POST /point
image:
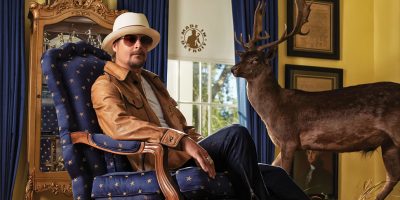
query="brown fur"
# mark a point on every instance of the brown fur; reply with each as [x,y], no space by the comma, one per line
[357,118]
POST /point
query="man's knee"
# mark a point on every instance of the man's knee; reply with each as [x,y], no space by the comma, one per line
[238,129]
[239,132]
[279,171]
[269,171]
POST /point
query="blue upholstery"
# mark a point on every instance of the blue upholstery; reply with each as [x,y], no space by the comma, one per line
[45,154]
[123,184]
[49,128]
[194,183]
[70,71]
[107,142]
[49,120]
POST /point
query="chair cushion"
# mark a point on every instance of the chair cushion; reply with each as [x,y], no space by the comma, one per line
[194,183]
[138,197]
[127,185]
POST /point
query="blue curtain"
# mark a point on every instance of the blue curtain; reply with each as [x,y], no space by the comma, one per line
[243,14]
[157,15]
[12,84]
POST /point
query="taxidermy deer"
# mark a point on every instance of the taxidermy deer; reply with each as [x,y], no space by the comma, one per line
[357,118]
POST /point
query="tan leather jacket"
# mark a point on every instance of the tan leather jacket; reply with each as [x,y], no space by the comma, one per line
[124,113]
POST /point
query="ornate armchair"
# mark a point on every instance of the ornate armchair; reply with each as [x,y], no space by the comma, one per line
[97,164]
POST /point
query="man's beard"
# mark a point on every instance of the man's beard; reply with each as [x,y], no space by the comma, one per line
[136,65]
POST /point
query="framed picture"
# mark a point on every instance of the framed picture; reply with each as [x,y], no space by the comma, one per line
[313,79]
[316,172]
[322,41]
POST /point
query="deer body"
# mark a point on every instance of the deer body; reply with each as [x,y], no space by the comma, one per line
[356,118]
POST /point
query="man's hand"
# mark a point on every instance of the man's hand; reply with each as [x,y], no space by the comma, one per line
[200,155]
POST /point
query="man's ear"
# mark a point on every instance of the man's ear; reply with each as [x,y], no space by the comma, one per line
[114,46]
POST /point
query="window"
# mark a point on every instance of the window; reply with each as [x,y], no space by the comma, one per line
[205,92]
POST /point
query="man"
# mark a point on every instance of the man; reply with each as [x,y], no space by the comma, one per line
[317,180]
[133,104]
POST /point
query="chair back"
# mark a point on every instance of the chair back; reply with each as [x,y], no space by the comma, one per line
[70,72]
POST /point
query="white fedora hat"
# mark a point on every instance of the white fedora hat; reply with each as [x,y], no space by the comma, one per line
[130,23]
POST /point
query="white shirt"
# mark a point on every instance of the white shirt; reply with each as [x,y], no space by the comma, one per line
[153,101]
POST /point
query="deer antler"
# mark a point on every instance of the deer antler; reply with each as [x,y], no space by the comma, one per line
[303,12]
[257,28]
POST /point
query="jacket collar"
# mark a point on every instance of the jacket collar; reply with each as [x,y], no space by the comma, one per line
[121,73]
[115,70]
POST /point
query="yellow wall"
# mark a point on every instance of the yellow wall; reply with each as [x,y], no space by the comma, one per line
[387,40]
[370,49]
[386,56]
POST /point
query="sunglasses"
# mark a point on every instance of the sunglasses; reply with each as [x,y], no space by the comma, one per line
[130,40]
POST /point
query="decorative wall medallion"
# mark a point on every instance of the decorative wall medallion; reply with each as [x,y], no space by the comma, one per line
[193,38]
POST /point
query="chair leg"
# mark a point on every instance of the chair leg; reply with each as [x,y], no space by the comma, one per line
[167,185]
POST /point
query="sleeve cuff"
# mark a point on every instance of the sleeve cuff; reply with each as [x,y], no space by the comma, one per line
[192,133]
[171,138]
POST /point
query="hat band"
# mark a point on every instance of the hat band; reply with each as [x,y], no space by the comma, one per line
[130,26]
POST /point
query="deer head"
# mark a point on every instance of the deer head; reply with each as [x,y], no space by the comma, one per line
[254,59]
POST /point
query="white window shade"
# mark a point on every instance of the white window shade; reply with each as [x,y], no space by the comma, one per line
[214,17]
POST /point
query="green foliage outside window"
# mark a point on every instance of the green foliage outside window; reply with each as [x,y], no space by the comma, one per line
[214,100]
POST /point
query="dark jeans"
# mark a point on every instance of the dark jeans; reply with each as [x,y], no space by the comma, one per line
[233,150]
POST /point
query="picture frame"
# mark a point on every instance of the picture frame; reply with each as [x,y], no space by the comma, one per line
[312,78]
[323,27]
[324,182]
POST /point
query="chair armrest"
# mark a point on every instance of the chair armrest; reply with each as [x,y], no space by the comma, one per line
[106,143]
[160,152]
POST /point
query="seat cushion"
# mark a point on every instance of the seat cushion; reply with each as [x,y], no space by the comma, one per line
[137,197]
[121,185]
[194,183]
